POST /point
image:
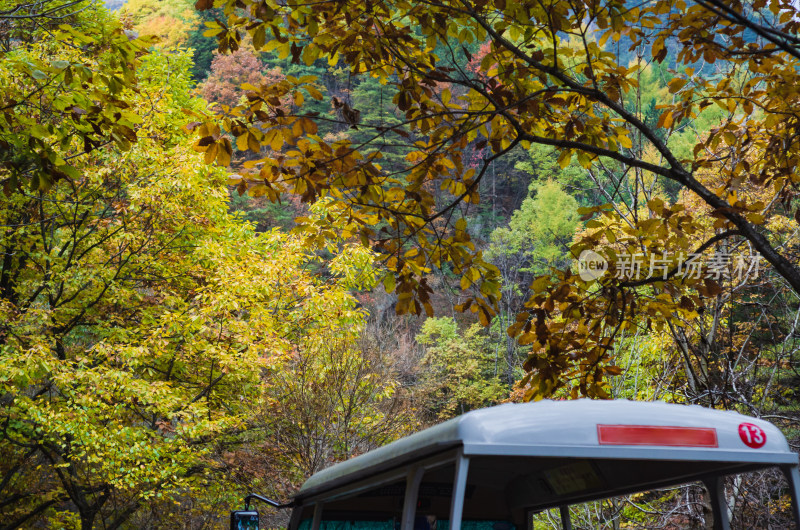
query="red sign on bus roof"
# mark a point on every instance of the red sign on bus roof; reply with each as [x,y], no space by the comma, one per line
[657,435]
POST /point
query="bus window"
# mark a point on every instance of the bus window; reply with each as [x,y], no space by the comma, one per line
[434,497]
[434,502]
[378,508]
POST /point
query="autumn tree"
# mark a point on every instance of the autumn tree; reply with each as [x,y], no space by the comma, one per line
[331,401]
[56,109]
[230,72]
[110,336]
[458,372]
[138,332]
[538,238]
[172,21]
[549,78]
[735,354]
[542,229]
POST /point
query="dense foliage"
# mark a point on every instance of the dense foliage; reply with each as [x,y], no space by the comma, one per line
[545,79]
[230,234]
[145,329]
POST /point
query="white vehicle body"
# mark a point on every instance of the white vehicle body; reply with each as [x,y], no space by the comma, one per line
[501,464]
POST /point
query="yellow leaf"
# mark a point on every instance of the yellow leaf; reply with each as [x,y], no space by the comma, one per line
[277,141]
[564,158]
[224,153]
[313,92]
[665,120]
[211,154]
[284,49]
[259,37]
[253,143]
[729,137]
[241,142]
[483,317]
[297,129]
[309,126]
[676,84]
[389,282]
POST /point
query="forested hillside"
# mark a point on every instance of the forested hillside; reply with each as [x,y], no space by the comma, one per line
[243,240]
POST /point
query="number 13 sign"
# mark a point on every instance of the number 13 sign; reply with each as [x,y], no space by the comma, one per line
[752,435]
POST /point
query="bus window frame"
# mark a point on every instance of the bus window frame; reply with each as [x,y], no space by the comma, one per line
[412,474]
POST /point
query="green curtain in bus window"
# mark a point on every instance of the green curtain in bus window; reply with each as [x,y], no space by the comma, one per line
[477,525]
[349,525]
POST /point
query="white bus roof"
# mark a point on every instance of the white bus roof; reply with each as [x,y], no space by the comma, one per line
[586,429]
